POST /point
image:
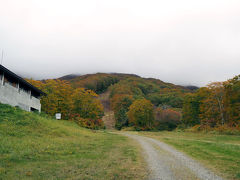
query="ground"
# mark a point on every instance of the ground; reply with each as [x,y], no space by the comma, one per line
[35,147]
[218,153]
[166,163]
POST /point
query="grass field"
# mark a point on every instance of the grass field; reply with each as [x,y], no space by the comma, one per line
[36,147]
[220,153]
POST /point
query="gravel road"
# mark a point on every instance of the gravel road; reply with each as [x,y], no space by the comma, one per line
[166,163]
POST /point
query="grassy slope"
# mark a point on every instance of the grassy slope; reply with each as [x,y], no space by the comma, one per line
[35,147]
[221,153]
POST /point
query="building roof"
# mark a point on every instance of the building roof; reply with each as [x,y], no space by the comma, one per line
[21,80]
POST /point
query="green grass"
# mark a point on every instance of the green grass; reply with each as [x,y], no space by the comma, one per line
[36,147]
[221,153]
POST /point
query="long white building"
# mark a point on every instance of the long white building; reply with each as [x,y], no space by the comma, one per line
[17,92]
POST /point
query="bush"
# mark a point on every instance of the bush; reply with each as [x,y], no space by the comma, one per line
[88,123]
[219,129]
[166,119]
[229,130]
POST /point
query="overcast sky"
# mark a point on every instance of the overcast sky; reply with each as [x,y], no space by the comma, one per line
[179,41]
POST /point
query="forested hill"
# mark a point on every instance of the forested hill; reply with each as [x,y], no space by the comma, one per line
[75,95]
[98,82]
[144,103]
[157,91]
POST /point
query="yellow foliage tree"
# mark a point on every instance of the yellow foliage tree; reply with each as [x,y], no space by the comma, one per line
[86,104]
[140,114]
[59,96]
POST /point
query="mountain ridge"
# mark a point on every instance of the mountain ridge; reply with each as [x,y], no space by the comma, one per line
[73,78]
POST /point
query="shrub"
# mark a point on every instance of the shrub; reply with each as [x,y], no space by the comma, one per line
[219,129]
[88,123]
[166,119]
[225,129]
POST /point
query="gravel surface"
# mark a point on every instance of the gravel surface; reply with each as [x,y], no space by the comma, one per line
[166,163]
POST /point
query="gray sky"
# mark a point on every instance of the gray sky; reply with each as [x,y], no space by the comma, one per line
[179,41]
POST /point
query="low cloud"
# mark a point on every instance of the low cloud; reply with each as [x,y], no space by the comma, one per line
[183,42]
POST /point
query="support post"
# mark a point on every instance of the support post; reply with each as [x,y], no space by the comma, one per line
[2,82]
[18,87]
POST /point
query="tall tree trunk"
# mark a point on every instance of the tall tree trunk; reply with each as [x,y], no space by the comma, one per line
[221,111]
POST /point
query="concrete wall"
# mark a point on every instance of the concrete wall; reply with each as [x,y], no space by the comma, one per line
[17,97]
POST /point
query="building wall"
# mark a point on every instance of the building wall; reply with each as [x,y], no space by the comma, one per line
[17,97]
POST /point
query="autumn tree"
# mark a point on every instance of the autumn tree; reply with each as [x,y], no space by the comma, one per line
[79,104]
[218,93]
[140,114]
[216,106]
[86,104]
[58,98]
[212,109]
[232,100]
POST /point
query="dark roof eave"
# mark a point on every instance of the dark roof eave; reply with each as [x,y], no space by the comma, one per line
[5,70]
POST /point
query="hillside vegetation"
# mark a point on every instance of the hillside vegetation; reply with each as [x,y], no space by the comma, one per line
[124,89]
[36,147]
[76,104]
[214,107]
[157,91]
[98,82]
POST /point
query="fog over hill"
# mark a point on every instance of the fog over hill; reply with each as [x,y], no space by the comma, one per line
[182,42]
[70,77]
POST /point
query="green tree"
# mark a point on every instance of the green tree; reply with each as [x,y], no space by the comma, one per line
[120,104]
[191,110]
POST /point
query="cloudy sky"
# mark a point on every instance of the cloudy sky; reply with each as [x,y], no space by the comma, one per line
[179,41]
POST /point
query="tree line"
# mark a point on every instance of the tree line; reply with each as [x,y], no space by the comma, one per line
[145,104]
[215,106]
[75,104]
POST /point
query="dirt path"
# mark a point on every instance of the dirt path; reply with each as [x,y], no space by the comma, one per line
[166,163]
[108,118]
